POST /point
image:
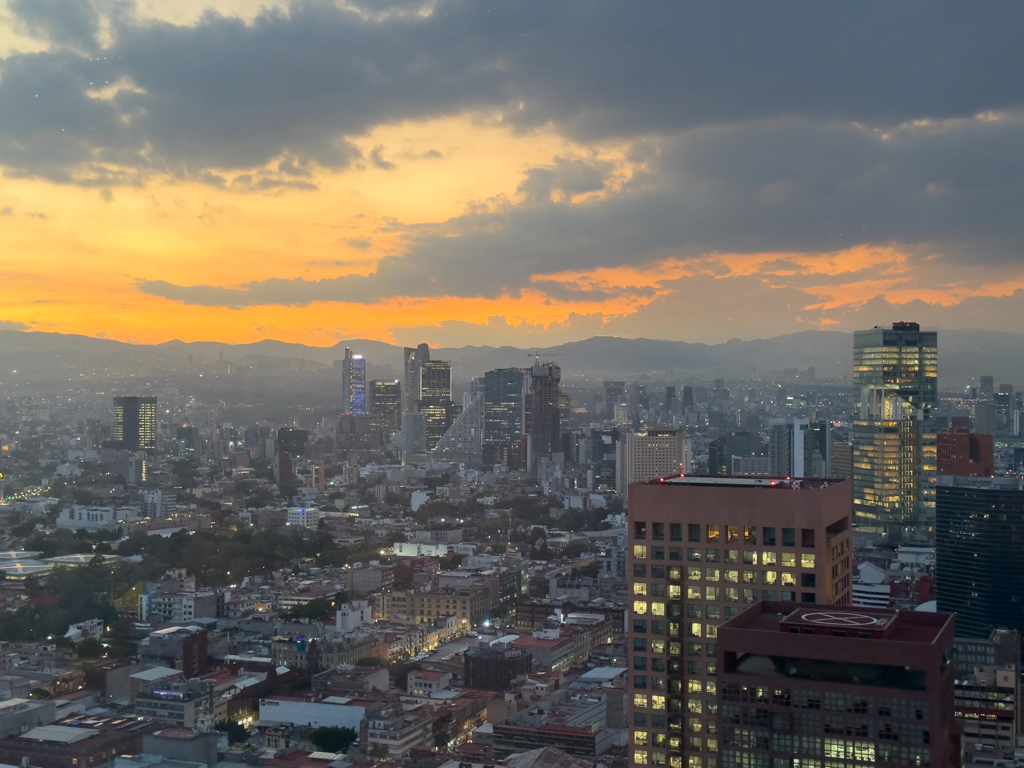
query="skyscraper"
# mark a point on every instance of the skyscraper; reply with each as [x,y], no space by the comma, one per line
[701,550]
[658,452]
[543,414]
[435,399]
[798,448]
[412,359]
[895,376]
[353,384]
[504,414]
[978,540]
[134,426]
[385,405]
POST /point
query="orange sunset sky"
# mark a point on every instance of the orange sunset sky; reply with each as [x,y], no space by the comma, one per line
[516,174]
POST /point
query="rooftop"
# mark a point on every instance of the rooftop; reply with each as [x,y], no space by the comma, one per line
[803,483]
[855,623]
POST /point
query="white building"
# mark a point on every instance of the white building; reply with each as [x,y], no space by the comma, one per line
[90,518]
[658,452]
[156,504]
[332,711]
[304,517]
[353,614]
[418,549]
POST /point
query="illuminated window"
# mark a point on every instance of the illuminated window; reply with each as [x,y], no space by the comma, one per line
[640,700]
[695,686]
[658,609]
[640,738]
[694,629]
[732,576]
[675,592]
[640,607]
[732,594]
[711,574]
[657,646]
[639,552]
[750,577]
[675,649]
[658,702]
[712,533]
[788,579]
[696,706]
[693,593]
[711,593]
[675,573]
[640,756]
[639,588]
[750,534]
[657,758]
[693,573]
[694,725]
[789,560]
[749,557]
[769,558]
[712,631]
[732,555]
[732,533]
[807,560]
[769,577]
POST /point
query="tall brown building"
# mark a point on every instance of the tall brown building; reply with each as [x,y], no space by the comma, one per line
[702,549]
[961,452]
[840,686]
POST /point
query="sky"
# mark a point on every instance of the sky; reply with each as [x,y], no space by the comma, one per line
[524,173]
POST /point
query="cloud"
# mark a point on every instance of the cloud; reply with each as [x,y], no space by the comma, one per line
[6,211]
[564,178]
[301,82]
[377,158]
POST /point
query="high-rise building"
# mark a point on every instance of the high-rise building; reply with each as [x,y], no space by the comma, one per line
[505,392]
[413,358]
[435,399]
[353,384]
[722,449]
[833,686]
[543,415]
[658,452]
[978,540]
[614,394]
[895,376]
[134,426]
[701,550]
[959,452]
[799,448]
[385,404]
[687,399]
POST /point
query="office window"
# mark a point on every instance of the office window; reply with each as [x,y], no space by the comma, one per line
[658,701]
[807,597]
[657,609]
[640,626]
[711,574]
[675,592]
[657,590]
[788,560]
[639,570]
[788,579]
[789,537]
[711,630]
[657,627]
[657,553]
[640,700]
[639,530]
[693,555]
[732,594]
[694,629]
[675,572]
[640,663]
[640,756]
[640,607]
[732,576]
[640,719]
[750,534]
[657,646]
[749,595]
[768,537]
[675,648]
[657,571]
[769,558]
[712,533]
[807,580]
[640,682]
[807,538]
[769,594]
[676,531]
[657,664]
[693,610]
[807,560]
[711,611]
[732,533]
[639,552]
[658,532]
[750,577]
[711,593]
[675,553]
[711,555]
[639,588]
[693,593]
[640,738]
[749,557]
[693,532]
[732,555]
[693,573]
[640,644]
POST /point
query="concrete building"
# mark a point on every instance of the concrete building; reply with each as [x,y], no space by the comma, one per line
[19,715]
[703,549]
[574,721]
[147,678]
[423,682]
[494,667]
[834,685]
[183,648]
[353,614]
[302,517]
[332,711]
[182,744]
[179,703]
[658,452]
[393,732]
[960,452]
[798,448]
[81,741]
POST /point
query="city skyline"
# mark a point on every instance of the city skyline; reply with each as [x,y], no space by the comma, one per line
[217,169]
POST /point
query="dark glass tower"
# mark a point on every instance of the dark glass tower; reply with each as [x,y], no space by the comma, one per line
[135,423]
[505,413]
[385,401]
[895,375]
[978,540]
[435,400]
[543,411]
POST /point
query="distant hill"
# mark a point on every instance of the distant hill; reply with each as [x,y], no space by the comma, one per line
[963,355]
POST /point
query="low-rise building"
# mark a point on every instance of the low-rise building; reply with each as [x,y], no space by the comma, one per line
[76,742]
[423,682]
[19,715]
[392,732]
[179,703]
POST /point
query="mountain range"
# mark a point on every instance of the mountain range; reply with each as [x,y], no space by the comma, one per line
[963,355]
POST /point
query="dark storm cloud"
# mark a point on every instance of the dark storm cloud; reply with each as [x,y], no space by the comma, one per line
[223,93]
[780,186]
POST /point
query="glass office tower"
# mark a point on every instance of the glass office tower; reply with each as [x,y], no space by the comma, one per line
[895,376]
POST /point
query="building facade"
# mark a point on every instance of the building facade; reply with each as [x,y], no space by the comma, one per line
[834,686]
[701,550]
[895,376]
[134,427]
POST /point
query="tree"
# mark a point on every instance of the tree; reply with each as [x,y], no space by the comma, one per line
[332,738]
